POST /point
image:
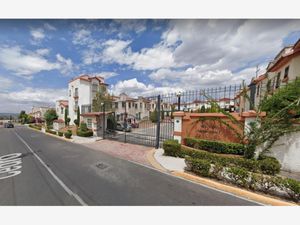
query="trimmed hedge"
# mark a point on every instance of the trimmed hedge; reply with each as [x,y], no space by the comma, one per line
[68,134]
[172,148]
[275,185]
[60,133]
[35,127]
[87,133]
[216,146]
[51,131]
[267,166]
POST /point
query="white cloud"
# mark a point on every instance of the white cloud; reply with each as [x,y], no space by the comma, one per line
[5,83]
[119,51]
[43,51]
[18,100]
[106,75]
[24,63]
[27,63]
[37,34]
[66,66]
[135,88]
[48,26]
[227,44]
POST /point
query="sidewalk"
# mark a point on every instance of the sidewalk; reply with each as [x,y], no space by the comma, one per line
[176,167]
[131,152]
[82,140]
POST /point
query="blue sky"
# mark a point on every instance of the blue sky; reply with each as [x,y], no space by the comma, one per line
[140,57]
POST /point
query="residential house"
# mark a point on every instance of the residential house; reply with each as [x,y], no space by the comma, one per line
[81,92]
[38,112]
[61,106]
[135,108]
[283,69]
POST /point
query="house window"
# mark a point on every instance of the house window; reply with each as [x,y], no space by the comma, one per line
[136,105]
[278,80]
[141,105]
[76,92]
[94,87]
[89,123]
[123,104]
[116,105]
[129,104]
[286,72]
[69,93]
[61,110]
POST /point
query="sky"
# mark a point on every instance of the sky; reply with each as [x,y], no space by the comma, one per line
[139,57]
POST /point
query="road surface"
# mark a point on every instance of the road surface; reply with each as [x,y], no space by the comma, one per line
[56,172]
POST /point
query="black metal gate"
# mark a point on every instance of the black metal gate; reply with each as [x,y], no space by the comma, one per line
[149,121]
[142,121]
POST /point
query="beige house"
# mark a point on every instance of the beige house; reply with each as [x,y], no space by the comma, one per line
[39,112]
[61,106]
[283,69]
[136,108]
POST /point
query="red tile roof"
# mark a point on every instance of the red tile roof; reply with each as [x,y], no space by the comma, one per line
[89,78]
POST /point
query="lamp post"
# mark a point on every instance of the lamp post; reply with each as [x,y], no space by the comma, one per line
[103,118]
[178,96]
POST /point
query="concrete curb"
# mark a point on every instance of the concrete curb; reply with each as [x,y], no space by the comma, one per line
[220,186]
[153,162]
[56,136]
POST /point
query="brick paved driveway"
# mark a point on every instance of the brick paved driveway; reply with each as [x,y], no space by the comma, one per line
[136,153]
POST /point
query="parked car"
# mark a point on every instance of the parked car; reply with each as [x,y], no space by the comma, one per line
[8,125]
[123,127]
[135,125]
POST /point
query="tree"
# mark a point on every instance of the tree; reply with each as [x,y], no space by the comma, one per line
[153,116]
[66,116]
[102,99]
[202,109]
[23,117]
[50,116]
[77,121]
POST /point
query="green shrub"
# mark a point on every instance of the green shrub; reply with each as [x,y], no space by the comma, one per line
[68,134]
[242,177]
[269,165]
[293,187]
[83,127]
[35,127]
[87,133]
[172,148]
[215,146]
[249,151]
[51,131]
[198,166]
[60,133]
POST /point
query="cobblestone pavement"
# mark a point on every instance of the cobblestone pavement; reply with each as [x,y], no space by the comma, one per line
[136,153]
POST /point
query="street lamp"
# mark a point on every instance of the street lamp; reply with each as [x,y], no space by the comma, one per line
[178,96]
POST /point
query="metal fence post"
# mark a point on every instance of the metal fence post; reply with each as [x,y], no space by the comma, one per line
[158,123]
[103,123]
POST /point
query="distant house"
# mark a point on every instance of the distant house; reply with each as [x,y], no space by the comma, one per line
[39,112]
[61,106]
[135,108]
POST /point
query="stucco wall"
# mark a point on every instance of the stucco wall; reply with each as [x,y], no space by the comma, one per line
[287,151]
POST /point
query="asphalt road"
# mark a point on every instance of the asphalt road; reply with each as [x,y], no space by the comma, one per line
[56,172]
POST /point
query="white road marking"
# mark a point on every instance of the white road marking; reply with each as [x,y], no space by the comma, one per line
[10,165]
[62,184]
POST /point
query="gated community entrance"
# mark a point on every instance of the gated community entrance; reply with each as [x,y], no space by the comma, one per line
[149,120]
